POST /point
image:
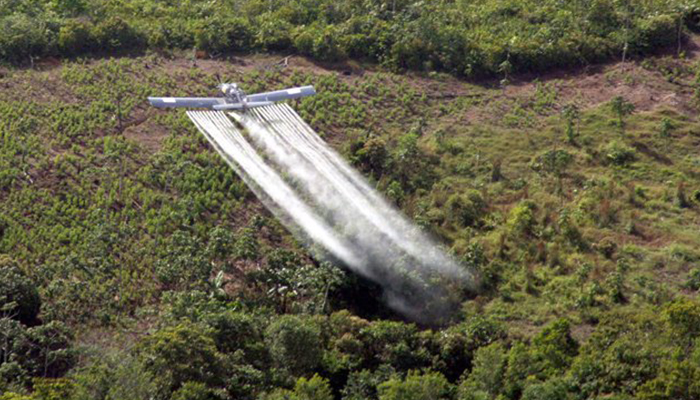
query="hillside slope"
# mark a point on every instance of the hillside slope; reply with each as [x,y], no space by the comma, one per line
[575,195]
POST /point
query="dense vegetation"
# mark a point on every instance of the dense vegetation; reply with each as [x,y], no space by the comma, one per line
[469,38]
[134,264]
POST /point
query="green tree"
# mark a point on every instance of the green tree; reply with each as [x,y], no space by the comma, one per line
[178,354]
[316,388]
[622,108]
[683,319]
[554,347]
[416,386]
[46,350]
[19,298]
[485,381]
[294,343]
[193,391]
[571,115]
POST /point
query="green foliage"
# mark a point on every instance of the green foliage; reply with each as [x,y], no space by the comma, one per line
[116,34]
[118,375]
[19,298]
[163,352]
[553,389]
[693,281]
[76,37]
[485,381]
[22,37]
[571,114]
[676,380]
[193,391]
[622,108]
[683,318]
[294,343]
[466,209]
[554,347]
[522,219]
[617,153]
[316,388]
[416,386]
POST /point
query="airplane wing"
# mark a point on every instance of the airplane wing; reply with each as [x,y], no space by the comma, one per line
[279,95]
[239,106]
[188,102]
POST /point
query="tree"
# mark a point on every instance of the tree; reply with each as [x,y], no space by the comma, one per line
[554,347]
[193,391]
[316,388]
[294,343]
[179,354]
[19,298]
[416,386]
[622,108]
[553,163]
[486,378]
[46,350]
[12,333]
[683,319]
[372,156]
[571,114]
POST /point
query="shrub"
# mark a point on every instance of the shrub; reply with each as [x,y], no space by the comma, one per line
[618,154]
[693,281]
[554,347]
[553,389]
[466,209]
[22,37]
[115,34]
[75,38]
[522,219]
[622,108]
[221,35]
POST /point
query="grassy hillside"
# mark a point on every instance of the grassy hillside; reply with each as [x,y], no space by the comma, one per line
[135,264]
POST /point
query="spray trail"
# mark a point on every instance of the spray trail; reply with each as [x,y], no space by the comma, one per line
[325,202]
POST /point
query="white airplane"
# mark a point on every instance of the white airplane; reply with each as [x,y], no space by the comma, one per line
[234,98]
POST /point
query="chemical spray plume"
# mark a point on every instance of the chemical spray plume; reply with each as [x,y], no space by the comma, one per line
[325,203]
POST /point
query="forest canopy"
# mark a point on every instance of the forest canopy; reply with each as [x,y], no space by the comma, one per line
[466,38]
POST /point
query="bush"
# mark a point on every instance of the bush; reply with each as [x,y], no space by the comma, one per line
[19,298]
[522,219]
[75,38]
[222,35]
[554,347]
[466,209]
[22,37]
[618,154]
[115,34]
[693,281]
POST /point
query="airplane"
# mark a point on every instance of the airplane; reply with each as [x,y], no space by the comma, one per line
[234,98]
